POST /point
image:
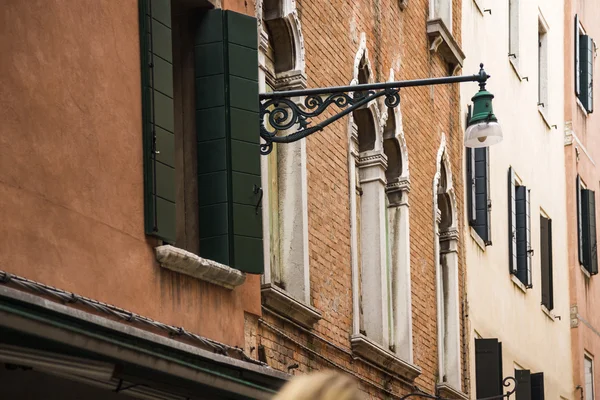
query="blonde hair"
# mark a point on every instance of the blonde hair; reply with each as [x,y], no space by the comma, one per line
[326,385]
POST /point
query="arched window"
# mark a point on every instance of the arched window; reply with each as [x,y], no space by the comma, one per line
[286,283]
[446,257]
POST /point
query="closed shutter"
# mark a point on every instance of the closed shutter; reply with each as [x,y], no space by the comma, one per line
[586,61]
[481,193]
[523,377]
[546,261]
[471,196]
[529,283]
[488,367]
[537,386]
[227,122]
[577,66]
[512,223]
[158,118]
[522,234]
[579,220]
[590,256]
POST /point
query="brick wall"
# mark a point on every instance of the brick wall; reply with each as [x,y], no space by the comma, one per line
[395,39]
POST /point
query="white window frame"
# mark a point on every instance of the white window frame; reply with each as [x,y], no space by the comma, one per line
[588,357]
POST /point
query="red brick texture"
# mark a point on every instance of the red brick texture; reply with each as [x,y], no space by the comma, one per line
[395,39]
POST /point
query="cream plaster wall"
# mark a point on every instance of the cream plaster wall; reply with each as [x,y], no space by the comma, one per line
[497,307]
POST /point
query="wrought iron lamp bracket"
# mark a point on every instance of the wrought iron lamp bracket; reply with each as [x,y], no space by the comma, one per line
[506,383]
[280,113]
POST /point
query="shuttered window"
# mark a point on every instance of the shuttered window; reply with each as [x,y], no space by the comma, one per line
[588,229]
[537,386]
[158,118]
[584,67]
[227,122]
[579,220]
[488,368]
[519,215]
[546,262]
[588,370]
[478,192]
[523,378]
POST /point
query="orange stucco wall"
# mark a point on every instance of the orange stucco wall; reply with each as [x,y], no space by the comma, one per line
[71,182]
[582,157]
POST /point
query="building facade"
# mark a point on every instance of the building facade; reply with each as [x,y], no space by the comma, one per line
[364,265]
[92,300]
[581,151]
[516,225]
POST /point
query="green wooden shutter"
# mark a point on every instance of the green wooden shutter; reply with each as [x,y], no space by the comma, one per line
[529,283]
[488,368]
[537,386]
[577,66]
[227,123]
[590,255]
[586,60]
[481,223]
[158,118]
[523,377]
[522,243]
[579,220]
[471,185]
[546,262]
[512,223]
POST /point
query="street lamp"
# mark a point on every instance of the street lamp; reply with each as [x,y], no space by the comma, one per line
[280,113]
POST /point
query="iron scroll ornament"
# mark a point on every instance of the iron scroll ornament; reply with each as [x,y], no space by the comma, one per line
[506,383]
[279,112]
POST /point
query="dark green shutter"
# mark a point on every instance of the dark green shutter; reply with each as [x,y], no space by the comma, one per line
[523,244]
[512,223]
[227,123]
[546,262]
[158,118]
[523,377]
[586,61]
[577,66]
[537,386]
[479,192]
[488,368]
[579,220]
[590,255]
[471,185]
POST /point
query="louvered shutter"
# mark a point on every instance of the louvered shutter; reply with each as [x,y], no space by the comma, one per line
[471,196]
[521,235]
[523,377]
[489,197]
[227,122]
[590,256]
[546,261]
[158,118]
[481,193]
[579,220]
[537,386]
[577,65]
[586,61]
[512,223]
[488,367]
[528,237]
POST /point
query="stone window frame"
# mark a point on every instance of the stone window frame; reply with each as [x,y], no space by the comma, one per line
[285,285]
[394,350]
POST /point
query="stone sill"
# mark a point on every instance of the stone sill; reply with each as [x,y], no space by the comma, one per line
[518,283]
[447,391]
[367,349]
[548,313]
[182,261]
[277,299]
[543,112]
[442,40]
[477,239]
[515,67]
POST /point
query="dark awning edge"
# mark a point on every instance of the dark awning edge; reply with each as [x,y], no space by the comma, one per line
[34,315]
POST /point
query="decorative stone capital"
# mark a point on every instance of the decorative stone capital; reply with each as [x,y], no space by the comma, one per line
[182,261]
[398,192]
[450,234]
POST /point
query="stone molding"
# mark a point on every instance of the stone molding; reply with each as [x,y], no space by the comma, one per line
[182,261]
[448,392]
[442,40]
[367,349]
[277,299]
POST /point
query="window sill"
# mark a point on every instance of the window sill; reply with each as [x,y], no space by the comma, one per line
[187,263]
[542,111]
[581,107]
[278,300]
[442,40]
[518,283]
[367,349]
[585,271]
[548,313]
[515,68]
[446,391]
[479,6]
[477,239]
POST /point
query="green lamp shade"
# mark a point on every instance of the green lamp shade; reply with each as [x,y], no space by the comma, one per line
[483,129]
